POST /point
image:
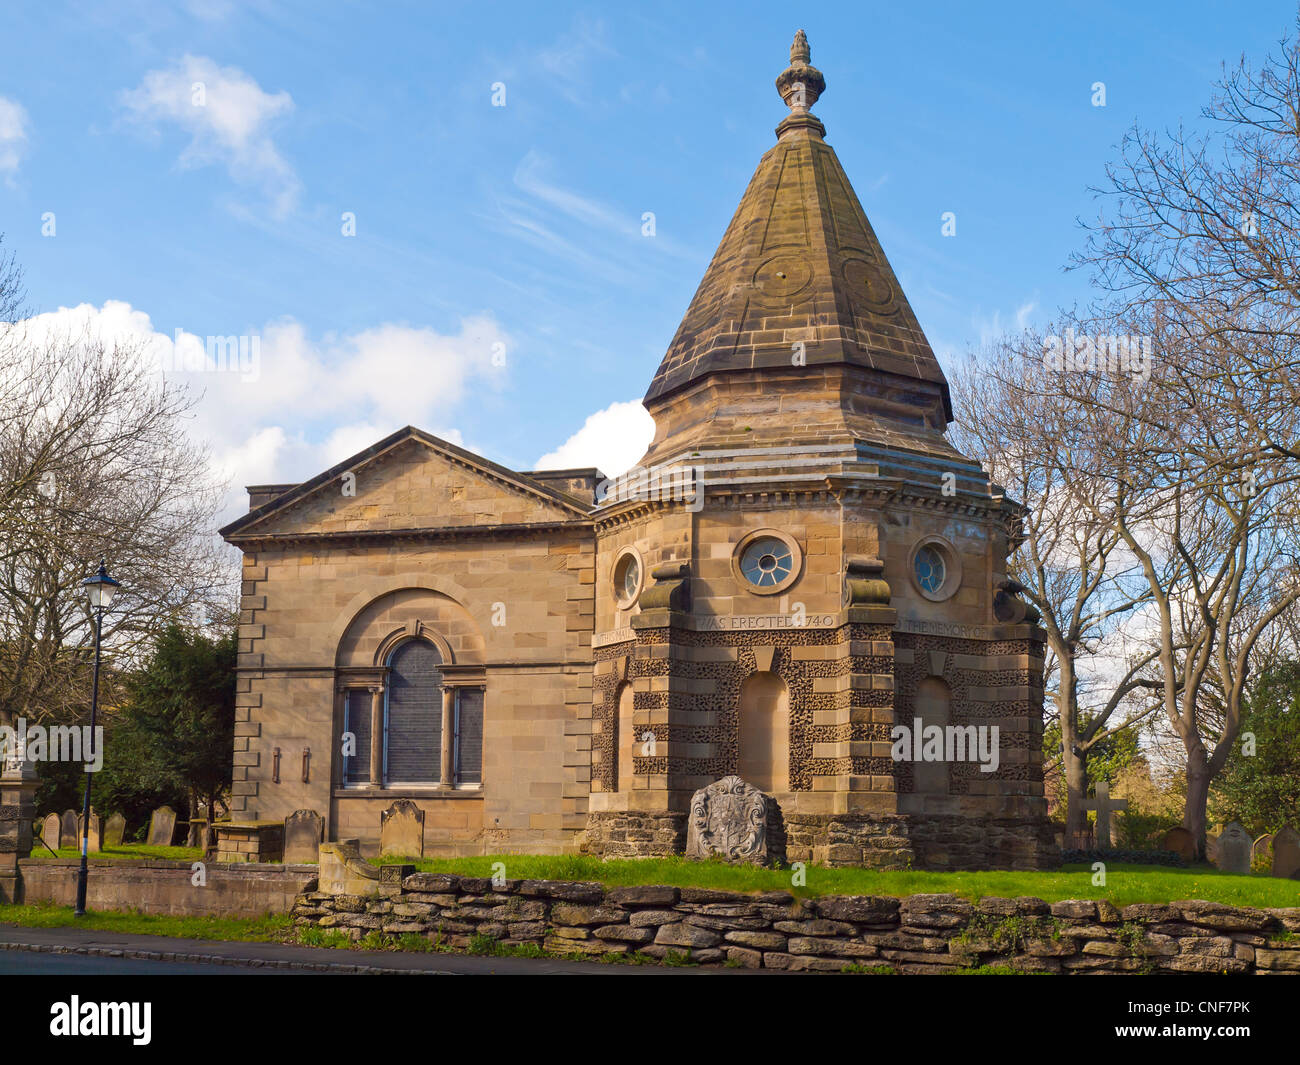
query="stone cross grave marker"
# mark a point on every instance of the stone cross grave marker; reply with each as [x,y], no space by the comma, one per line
[303,830]
[401,830]
[1286,853]
[52,831]
[1232,854]
[162,827]
[114,830]
[1105,806]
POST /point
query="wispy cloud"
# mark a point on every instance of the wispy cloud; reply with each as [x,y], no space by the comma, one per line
[13,135]
[568,61]
[229,118]
[580,229]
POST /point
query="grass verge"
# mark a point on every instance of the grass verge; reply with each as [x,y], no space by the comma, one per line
[127,852]
[1125,884]
[273,928]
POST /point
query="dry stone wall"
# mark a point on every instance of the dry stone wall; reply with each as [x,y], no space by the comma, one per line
[917,934]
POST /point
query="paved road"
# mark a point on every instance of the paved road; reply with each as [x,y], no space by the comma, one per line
[25,963]
[80,950]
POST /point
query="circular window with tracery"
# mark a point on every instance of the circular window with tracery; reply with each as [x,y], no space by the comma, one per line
[935,571]
[768,561]
[930,570]
[627,579]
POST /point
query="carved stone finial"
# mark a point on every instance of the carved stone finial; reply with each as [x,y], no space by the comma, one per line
[799,51]
[800,84]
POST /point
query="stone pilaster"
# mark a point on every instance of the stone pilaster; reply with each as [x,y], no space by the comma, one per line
[17,813]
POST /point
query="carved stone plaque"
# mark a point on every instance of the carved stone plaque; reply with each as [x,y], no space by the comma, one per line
[729,819]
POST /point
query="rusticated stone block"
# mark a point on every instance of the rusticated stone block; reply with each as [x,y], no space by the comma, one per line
[865,909]
[643,896]
[685,935]
[758,940]
[625,933]
[567,913]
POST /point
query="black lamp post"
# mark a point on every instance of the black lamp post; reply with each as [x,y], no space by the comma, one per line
[99,590]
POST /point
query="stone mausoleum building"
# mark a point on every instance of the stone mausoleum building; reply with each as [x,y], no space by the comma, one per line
[547,661]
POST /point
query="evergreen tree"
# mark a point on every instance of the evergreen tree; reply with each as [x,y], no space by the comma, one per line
[173,741]
[1262,789]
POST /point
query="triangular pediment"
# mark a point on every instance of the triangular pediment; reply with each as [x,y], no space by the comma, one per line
[409,482]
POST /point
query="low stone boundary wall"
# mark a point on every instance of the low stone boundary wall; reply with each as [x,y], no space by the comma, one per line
[916,934]
[167,887]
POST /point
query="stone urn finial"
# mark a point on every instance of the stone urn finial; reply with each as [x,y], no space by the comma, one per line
[800,85]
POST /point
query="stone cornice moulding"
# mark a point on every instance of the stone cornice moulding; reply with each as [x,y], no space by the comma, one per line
[262,541]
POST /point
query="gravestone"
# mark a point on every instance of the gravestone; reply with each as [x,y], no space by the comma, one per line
[401,830]
[93,844]
[162,827]
[1181,842]
[69,832]
[1286,853]
[196,833]
[1261,853]
[728,819]
[52,831]
[1212,835]
[1105,806]
[303,831]
[1232,854]
[114,830]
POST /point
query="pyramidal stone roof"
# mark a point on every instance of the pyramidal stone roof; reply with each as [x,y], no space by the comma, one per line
[799,263]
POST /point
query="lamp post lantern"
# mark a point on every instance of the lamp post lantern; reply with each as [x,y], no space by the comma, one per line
[99,590]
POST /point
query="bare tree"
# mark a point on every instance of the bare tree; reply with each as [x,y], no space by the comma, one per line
[1071,562]
[1209,513]
[96,463]
[1198,240]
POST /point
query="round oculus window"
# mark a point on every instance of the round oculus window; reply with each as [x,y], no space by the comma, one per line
[627,579]
[767,562]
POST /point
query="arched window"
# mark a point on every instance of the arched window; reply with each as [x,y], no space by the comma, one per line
[413,714]
[625,737]
[765,732]
[933,700]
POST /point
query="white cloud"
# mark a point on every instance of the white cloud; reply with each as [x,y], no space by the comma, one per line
[991,329]
[13,135]
[228,117]
[301,405]
[613,440]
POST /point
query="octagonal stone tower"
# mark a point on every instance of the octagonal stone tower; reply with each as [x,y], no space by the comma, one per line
[802,563]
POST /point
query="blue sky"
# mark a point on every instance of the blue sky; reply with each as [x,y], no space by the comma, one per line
[499,289]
